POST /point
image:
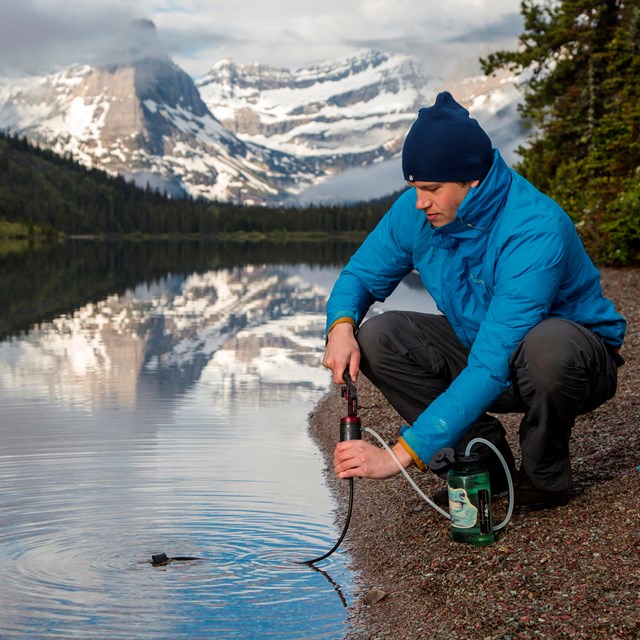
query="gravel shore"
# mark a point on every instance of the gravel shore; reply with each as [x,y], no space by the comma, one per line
[570,572]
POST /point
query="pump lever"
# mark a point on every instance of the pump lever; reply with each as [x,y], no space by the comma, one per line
[349,392]
[350,425]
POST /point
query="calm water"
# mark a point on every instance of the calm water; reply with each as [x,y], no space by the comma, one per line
[156,400]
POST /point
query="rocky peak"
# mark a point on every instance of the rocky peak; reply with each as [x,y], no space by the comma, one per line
[163,82]
[360,104]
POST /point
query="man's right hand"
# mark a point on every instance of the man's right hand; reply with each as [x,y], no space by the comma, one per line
[342,351]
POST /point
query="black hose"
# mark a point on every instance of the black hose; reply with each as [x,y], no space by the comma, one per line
[342,535]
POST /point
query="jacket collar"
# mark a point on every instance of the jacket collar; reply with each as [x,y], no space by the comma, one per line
[479,209]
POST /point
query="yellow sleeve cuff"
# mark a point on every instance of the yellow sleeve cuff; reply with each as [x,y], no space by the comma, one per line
[351,321]
[421,465]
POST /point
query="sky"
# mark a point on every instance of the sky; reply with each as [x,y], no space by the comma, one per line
[44,35]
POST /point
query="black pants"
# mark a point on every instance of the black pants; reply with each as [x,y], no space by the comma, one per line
[559,371]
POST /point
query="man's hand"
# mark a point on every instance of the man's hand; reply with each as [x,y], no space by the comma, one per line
[342,351]
[361,459]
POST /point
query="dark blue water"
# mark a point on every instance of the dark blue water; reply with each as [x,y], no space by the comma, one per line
[170,418]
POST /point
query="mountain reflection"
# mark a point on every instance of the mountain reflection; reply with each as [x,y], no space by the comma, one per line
[157,339]
[107,324]
[40,283]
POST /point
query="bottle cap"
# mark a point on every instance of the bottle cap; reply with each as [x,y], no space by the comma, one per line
[472,461]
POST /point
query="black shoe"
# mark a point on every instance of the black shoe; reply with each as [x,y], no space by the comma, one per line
[441,497]
[530,498]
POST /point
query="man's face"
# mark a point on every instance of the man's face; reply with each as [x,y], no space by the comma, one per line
[440,200]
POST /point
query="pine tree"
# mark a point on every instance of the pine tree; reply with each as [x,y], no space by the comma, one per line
[579,65]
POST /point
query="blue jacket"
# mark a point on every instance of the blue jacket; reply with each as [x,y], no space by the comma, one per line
[510,259]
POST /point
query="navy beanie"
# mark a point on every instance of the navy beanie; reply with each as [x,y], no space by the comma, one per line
[445,145]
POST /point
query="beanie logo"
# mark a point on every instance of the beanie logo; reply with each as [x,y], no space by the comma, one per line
[411,177]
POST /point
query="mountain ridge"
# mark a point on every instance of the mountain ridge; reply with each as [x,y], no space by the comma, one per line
[250,134]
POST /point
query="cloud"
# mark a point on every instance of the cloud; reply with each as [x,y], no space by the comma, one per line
[506,27]
[198,33]
[439,48]
[33,36]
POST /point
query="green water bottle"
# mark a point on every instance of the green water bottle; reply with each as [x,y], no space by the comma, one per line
[470,501]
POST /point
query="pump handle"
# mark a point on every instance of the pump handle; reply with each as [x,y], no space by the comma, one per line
[349,392]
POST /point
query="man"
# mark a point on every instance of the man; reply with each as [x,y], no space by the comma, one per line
[524,325]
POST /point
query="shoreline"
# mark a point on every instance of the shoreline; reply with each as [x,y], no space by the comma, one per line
[569,572]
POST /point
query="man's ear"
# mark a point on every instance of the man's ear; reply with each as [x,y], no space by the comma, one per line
[474,183]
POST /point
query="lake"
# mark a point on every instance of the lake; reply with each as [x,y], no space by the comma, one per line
[154,399]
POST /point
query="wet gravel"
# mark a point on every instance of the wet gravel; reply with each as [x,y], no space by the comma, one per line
[569,572]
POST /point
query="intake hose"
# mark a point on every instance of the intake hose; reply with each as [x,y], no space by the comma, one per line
[350,429]
[342,535]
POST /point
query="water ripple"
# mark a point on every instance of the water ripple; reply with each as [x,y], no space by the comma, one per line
[73,561]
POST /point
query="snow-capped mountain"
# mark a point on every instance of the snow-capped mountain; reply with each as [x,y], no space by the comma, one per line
[352,111]
[143,117]
[249,133]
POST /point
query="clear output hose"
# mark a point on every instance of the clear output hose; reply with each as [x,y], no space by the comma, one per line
[409,479]
[468,450]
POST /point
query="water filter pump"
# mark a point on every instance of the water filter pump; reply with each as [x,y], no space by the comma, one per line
[469,493]
[468,485]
